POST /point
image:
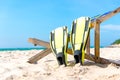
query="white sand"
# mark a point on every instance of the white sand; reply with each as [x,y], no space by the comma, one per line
[14,66]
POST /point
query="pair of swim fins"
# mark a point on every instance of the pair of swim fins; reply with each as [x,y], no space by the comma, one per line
[78,39]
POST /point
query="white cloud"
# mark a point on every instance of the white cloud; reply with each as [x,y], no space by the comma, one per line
[111,27]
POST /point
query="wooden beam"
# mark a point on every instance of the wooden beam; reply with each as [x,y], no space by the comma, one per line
[88,46]
[44,53]
[39,55]
[105,17]
[69,51]
[109,15]
[97,41]
[91,57]
[39,42]
[101,60]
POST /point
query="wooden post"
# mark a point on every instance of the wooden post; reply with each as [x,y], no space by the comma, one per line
[88,46]
[97,40]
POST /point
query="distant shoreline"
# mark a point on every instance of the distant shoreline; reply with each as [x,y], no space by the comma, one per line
[43,48]
[114,46]
[24,49]
[21,49]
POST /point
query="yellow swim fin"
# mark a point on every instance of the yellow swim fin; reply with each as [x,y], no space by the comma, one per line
[59,44]
[79,36]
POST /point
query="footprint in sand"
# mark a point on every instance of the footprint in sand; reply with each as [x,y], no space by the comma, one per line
[111,77]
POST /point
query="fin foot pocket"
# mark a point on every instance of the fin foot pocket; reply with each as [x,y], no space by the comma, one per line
[60,60]
[78,56]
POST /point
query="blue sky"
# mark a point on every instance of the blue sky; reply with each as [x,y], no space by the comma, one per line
[22,19]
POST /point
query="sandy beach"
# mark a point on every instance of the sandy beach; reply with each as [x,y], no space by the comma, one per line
[14,66]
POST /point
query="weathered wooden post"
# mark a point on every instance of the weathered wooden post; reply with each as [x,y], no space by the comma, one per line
[97,41]
[88,46]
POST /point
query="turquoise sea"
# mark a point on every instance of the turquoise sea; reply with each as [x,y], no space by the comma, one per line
[23,49]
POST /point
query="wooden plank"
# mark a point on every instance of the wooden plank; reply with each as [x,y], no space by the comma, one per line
[39,42]
[91,57]
[97,40]
[69,51]
[100,60]
[40,55]
[44,53]
[88,46]
[109,15]
[105,17]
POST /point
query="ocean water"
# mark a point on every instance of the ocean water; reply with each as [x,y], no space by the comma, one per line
[21,49]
